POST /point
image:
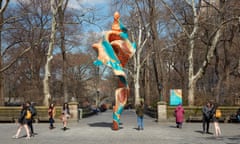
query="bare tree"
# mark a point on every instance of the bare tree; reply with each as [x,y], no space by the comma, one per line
[192,35]
[61,12]
[3,6]
[140,33]
[55,5]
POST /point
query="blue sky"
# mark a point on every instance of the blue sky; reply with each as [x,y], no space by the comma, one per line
[100,9]
[89,3]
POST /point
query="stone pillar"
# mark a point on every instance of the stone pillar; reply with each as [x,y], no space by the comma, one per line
[162,111]
[73,106]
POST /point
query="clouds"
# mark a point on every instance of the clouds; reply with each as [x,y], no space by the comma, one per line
[94,2]
[76,4]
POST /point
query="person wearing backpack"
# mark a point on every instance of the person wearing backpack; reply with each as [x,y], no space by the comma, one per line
[32,110]
[22,122]
[216,116]
[140,114]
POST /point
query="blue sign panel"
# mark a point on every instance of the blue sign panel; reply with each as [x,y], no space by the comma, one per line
[175,97]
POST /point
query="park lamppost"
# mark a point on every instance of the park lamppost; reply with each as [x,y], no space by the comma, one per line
[160,87]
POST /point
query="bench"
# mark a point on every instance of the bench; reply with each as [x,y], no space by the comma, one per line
[233,119]
[6,119]
[199,119]
[87,111]
[194,119]
[9,114]
[151,112]
[42,114]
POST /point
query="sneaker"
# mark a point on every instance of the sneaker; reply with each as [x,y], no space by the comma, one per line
[28,137]
[15,137]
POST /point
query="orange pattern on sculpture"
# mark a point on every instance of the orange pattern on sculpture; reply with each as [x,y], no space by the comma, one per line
[114,50]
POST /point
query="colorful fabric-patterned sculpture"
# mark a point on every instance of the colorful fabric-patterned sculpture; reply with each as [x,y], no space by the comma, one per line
[114,50]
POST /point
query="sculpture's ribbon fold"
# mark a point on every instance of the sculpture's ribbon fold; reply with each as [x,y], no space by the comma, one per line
[114,50]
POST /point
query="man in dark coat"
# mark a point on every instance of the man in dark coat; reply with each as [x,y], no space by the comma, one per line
[207,115]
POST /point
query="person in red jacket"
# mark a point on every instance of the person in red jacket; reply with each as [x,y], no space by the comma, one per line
[179,114]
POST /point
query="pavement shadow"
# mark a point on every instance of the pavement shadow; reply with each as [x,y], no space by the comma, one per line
[136,129]
[172,126]
[231,139]
[215,138]
[64,129]
[234,138]
[104,124]
[198,131]
[201,132]
[101,124]
[24,136]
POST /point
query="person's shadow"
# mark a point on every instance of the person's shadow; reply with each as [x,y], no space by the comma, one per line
[103,124]
[198,131]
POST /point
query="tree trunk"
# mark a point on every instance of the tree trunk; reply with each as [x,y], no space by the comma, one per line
[2,100]
[47,76]
[61,12]
[155,39]
[3,6]
[136,79]
[147,84]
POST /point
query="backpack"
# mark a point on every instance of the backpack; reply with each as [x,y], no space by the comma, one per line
[33,110]
[28,114]
[139,111]
[218,113]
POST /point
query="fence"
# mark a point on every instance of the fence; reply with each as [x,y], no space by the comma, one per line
[193,113]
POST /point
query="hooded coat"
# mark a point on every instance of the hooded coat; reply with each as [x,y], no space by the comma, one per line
[179,113]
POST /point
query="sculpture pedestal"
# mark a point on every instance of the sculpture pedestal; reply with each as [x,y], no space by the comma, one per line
[162,111]
[73,107]
[115,125]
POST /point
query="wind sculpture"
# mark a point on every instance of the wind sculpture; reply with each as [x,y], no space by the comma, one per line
[114,50]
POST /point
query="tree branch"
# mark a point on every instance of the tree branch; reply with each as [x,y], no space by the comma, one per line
[175,18]
[13,61]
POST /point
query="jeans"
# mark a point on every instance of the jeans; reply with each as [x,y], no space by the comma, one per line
[29,123]
[51,121]
[140,122]
[206,122]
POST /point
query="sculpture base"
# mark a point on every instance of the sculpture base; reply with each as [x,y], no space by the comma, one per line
[115,126]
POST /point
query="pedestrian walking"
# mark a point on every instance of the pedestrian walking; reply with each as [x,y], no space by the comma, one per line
[22,120]
[140,114]
[31,108]
[179,114]
[51,114]
[216,116]
[65,115]
[207,115]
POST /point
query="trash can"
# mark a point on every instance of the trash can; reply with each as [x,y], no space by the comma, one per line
[80,113]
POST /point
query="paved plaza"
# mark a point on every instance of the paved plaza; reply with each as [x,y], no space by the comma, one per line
[97,130]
